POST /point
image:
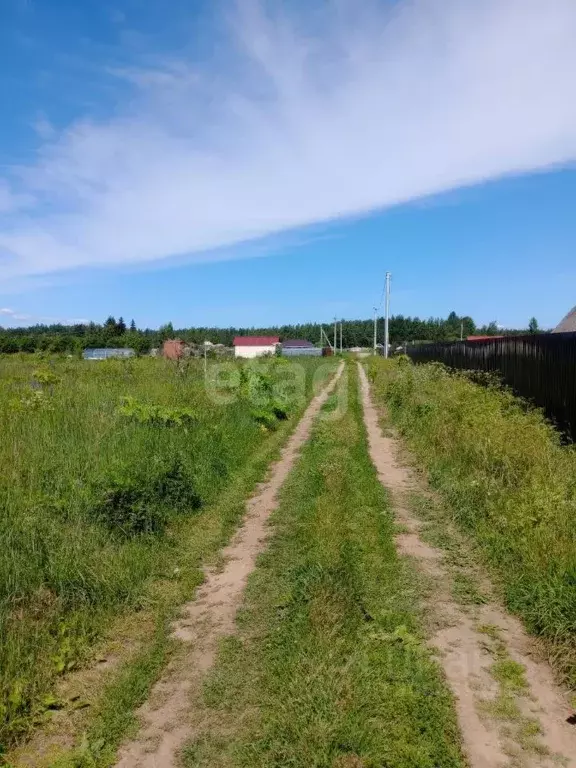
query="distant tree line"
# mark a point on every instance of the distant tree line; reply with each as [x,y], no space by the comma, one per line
[72,339]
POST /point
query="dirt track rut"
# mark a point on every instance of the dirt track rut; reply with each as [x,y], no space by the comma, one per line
[537,735]
[168,716]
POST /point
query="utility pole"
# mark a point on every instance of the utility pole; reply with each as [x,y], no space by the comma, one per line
[387,315]
[375,329]
[461,330]
[341,350]
[335,336]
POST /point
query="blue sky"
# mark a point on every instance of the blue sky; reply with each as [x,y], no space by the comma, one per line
[251,163]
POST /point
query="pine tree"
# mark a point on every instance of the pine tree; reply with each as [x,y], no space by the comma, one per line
[110,327]
[132,326]
[166,332]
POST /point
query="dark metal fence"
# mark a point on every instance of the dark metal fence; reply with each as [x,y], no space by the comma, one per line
[540,368]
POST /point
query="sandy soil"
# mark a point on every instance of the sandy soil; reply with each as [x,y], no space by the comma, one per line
[466,653]
[168,718]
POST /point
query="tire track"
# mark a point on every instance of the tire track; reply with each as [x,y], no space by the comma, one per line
[464,651]
[168,716]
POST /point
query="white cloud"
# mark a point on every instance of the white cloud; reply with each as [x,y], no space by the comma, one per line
[19,318]
[44,128]
[343,112]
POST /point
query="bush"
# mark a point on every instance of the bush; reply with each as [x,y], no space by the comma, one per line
[143,502]
[265,418]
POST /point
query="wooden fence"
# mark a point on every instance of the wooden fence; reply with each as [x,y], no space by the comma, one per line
[540,368]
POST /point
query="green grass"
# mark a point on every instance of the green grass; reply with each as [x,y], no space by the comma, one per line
[115,716]
[95,499]
[201,538]
[329,667]
[506,479]
[466,591]
[523,729]
[510,674]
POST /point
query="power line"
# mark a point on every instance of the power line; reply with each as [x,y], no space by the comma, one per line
[381,302]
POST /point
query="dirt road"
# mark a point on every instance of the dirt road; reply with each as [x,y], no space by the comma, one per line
[510,711]
[168,716]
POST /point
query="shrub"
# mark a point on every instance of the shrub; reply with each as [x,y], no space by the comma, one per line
[142,501]
[280,410]
[128,509]
[264,417]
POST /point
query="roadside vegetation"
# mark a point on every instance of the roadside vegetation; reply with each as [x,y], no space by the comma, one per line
[329,668]
[508,481]
[108,472]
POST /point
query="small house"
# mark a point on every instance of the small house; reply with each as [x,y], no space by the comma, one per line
[255,346]
[173,349]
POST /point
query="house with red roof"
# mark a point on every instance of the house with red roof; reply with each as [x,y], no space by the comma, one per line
[255,346]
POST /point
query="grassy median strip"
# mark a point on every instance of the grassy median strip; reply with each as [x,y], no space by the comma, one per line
[329,667]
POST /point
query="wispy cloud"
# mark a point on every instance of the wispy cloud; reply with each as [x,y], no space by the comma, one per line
[18,318]
[11,314]
[44,128]
[344,110]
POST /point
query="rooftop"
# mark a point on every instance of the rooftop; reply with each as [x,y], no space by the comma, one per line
[255,341]
[297,343]
[568,324]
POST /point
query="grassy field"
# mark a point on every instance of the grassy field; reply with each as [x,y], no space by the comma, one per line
[103,467]
[329,668]
[508,481]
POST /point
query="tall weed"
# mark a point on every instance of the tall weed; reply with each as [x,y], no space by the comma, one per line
[98,459]
[508,479]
